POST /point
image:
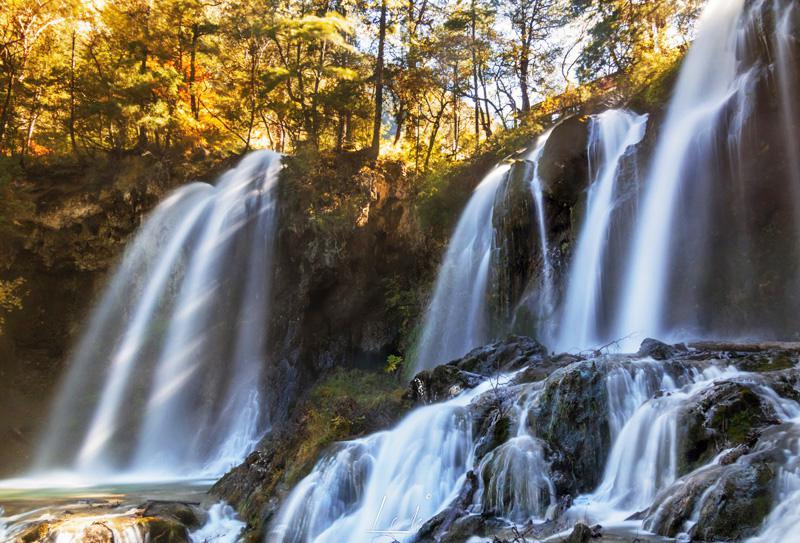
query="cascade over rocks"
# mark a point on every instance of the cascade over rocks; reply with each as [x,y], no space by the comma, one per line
[726,501]
[559,415]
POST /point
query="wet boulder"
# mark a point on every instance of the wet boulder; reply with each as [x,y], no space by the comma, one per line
[659,351]
[188,514]
[510,354]
[768,361]
[441,383]
[572,418]
[729,500]
[723,416]
[448,380]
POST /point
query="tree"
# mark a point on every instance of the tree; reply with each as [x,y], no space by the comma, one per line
[624,32]
[533,22]
[377,124]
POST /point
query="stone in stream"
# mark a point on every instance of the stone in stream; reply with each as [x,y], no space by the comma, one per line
[156,521]
[448,380]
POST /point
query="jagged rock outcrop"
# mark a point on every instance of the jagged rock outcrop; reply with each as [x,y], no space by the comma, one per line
[448,380]
[515,258]
[564,166]
[572,417]
[727,415]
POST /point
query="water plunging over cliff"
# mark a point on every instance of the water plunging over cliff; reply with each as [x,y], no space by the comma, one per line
[612,135]
[456,319]
[547,297]
[699,242]
[165,381]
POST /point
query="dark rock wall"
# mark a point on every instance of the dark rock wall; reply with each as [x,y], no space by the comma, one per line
[62,242]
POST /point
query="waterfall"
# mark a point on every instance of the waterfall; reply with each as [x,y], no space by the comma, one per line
[514,479]
[386,485]
[643,458]
[165,380]
[668,242]
[456,319]
[611,136]
[546,298]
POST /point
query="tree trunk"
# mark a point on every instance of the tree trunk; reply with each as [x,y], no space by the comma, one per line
[523,81]
[378,119]
[72,97]
[475,76]
[434,132]
[253,61]
[193,72]
[6,116]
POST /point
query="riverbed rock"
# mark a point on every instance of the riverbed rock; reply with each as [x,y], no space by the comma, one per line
[111,525]
[572,418]
[448,380]
[725,501]
[658,350]
[723,416]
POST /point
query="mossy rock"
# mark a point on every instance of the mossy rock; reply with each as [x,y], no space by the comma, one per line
[723,416]
[768,361]
[572,418]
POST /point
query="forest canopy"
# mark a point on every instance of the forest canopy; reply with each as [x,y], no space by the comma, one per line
[426,80]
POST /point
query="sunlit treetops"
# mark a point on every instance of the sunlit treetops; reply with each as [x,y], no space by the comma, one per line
[427,81]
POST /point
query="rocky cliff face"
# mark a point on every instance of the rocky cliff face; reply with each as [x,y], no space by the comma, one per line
[60,234]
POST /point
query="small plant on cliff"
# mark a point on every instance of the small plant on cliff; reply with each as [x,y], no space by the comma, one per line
[393,364]
[10,297]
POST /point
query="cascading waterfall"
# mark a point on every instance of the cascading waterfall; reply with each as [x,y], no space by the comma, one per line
[456,319]
[177,336]
[514,478]
[386,485]
[643,458]
[702,148]
[700,98]
[612,135]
